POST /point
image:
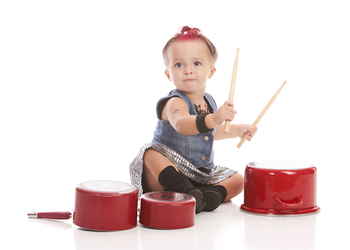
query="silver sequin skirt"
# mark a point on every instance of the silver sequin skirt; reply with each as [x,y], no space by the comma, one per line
[203,176]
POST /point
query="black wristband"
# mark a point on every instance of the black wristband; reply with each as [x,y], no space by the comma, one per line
[200,122]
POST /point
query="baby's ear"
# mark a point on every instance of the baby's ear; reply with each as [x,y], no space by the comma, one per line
[167,74]
[212,71]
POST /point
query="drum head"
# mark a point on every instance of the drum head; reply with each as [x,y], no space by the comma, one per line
[280,164]
[100,186]
[170,197]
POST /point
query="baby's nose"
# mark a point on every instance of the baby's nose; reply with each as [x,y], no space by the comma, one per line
[188,70]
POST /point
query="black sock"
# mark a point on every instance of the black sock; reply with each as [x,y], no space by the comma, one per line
[222,190]
[172,180]
[175,181]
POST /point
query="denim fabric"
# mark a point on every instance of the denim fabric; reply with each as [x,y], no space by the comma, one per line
[197,149]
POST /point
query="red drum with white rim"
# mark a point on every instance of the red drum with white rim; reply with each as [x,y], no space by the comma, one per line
[167,210]
[105,205]
[278,187]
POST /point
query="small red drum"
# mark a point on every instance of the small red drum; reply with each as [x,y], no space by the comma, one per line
[105,205]
[167,210]
[280,188]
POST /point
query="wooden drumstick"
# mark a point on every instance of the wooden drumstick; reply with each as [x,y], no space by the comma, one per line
[262,113]
[232,88]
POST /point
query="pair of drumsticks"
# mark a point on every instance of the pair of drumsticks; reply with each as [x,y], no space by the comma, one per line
[232,91]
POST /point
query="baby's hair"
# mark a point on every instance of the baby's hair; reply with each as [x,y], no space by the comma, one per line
[186,33]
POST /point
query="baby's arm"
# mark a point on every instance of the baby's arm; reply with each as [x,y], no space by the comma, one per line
[236,130]
[176,112]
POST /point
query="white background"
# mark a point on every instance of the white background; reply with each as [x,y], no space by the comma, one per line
[79,81]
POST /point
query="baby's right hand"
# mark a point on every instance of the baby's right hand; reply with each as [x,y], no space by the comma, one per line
[225,112]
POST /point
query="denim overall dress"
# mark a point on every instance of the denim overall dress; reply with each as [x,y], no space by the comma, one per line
[197,149]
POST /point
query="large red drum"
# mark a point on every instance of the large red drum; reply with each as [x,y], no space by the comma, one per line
[279,187]
[105,205]
[167,210]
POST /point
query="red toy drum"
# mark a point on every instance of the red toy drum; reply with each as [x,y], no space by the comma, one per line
[105,205]
[280,188]
[167,210]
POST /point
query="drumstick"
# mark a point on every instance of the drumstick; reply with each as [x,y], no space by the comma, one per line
[232,88]
[262,112]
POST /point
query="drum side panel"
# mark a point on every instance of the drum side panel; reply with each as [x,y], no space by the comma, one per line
[280,191]
[106,213]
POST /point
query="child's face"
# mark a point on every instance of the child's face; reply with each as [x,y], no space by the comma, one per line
[189,65]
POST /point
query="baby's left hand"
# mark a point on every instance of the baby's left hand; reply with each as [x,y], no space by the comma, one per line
[246,130]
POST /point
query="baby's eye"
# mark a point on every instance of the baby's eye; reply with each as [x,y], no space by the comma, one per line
[197,63]
[178,65]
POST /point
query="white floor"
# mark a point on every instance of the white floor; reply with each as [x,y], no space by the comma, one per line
[225,228]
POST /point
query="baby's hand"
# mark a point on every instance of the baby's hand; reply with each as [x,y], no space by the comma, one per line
[225,112]
[246,130]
